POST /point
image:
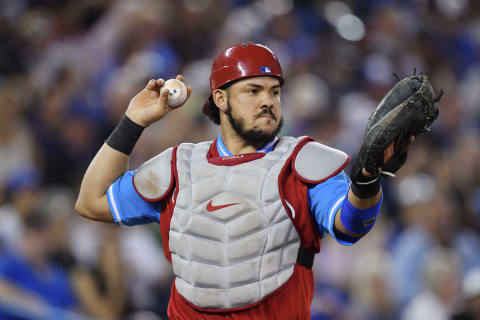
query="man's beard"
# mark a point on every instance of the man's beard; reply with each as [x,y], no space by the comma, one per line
[254,136]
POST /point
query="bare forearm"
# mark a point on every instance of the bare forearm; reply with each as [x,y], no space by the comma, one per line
[107,166]
[147,107]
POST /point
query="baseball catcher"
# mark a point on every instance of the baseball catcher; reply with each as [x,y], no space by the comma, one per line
[242,216]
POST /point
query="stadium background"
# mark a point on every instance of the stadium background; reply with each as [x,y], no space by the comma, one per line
[69,68]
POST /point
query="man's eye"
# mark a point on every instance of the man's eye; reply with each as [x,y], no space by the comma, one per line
[276,92]
[253,91]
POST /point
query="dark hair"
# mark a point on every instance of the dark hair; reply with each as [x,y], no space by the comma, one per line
[212,111]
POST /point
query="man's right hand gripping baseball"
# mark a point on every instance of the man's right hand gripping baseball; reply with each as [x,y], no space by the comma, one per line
[111,161]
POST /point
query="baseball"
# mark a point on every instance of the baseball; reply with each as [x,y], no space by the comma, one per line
[178,92]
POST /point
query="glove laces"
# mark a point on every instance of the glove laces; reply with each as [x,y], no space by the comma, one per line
[380,172]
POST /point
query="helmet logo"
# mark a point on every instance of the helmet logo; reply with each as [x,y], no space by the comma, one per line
[265,69]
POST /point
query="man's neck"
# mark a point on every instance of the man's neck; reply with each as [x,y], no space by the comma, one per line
[237,145]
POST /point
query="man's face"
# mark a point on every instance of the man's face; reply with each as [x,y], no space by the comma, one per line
[254,108]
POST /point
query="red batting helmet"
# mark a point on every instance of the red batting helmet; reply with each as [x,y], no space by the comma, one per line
[243,61]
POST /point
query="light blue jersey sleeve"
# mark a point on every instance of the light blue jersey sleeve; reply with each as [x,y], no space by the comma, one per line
[127,207]
[324,200]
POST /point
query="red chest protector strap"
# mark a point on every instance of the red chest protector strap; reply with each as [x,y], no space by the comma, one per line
[310,163]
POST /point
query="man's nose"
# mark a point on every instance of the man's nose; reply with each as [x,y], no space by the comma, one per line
[267,100]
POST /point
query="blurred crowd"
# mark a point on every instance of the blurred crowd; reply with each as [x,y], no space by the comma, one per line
[69,68]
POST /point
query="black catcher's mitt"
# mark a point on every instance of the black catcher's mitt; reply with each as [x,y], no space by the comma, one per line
[407,110]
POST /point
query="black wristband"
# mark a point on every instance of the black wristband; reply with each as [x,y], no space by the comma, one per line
[124,137]
[363,187]
[365,191]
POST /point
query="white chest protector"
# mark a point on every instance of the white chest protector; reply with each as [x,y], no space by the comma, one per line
[231,240]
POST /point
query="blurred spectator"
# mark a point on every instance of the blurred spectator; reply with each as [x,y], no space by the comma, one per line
[16,143]
[150,274]
[102,289]
[441,275]
[56,201]
[432,223]
[23,188]
[371,286]
[27,272]
[470,307]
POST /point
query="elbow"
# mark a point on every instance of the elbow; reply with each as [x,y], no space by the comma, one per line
[84,209]
[80,208]
[93,210]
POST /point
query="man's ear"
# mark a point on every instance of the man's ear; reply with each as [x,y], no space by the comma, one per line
[220,98]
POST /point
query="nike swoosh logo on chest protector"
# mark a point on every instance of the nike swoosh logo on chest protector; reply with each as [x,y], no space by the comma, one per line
[211,207]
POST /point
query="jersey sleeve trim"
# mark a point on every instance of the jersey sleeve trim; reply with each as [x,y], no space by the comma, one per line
[113,205]
[331,222]
[333,213]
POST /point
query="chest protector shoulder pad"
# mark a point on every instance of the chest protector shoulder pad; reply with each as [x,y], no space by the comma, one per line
[154,179]
[316,162]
